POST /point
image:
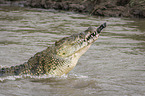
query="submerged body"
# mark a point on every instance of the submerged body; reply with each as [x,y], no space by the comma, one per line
[58,59]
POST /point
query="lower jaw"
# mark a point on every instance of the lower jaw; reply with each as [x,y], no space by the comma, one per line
[93,39]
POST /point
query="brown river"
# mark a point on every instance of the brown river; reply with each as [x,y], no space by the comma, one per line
[113,66]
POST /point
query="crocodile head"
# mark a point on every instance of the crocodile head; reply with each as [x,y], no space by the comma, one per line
[78,44]
[66,52]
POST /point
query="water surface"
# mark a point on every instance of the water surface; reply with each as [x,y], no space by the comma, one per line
[113,66]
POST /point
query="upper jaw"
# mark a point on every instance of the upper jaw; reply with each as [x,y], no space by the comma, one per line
[93,33]
[87,36]
[77,41]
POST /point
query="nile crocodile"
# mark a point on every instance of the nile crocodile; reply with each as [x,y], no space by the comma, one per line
[58,59]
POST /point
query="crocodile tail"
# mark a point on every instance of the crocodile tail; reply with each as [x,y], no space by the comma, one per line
[13,70]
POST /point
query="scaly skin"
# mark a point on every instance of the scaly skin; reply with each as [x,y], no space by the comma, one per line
[58,59]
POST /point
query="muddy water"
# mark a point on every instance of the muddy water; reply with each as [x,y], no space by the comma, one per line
[113,66]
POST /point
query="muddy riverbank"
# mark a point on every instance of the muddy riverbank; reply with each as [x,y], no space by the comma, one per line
[107,8]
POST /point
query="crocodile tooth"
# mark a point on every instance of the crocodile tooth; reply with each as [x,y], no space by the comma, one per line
[85,40]
[94,33]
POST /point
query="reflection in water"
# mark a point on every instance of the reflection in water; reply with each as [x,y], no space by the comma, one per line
[113,65]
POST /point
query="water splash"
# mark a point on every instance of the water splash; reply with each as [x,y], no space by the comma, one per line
[27,76]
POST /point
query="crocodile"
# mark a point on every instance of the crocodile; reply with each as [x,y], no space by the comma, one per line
[58,59]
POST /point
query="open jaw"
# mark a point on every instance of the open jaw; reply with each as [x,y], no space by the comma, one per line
[96,33]
[91,35]
[77,42]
